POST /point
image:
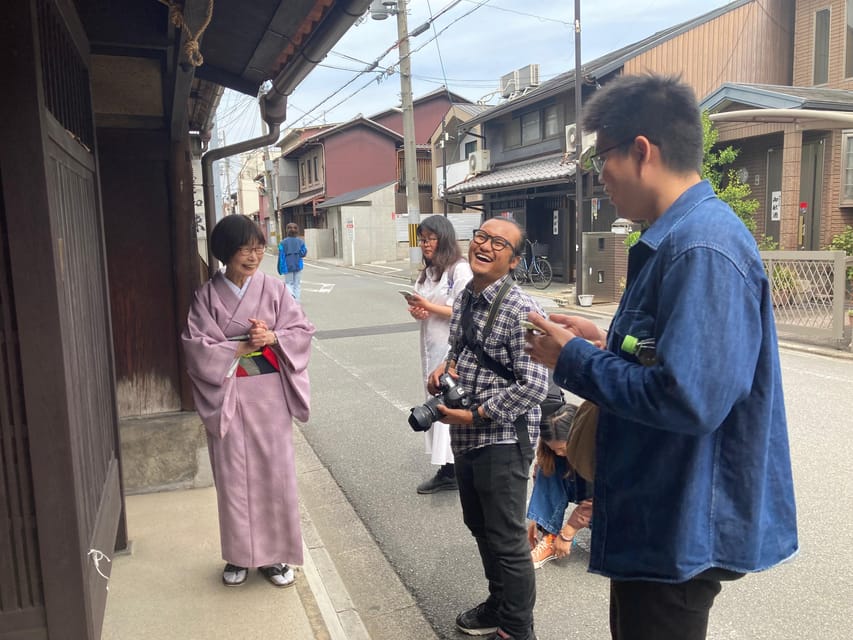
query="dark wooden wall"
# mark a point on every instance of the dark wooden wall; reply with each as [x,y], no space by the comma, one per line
[139,236]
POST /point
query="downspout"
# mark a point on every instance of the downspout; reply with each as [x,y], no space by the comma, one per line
[274,103]
[213,155]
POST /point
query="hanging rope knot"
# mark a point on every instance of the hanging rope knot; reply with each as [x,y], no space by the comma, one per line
[191,49]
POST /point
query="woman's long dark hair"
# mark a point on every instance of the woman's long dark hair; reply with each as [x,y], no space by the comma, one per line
[554,427]
[447,251]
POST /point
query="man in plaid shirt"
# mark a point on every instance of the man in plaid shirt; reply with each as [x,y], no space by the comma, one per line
[492,441]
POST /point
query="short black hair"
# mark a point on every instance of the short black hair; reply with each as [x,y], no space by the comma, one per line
[231,233]
[661,108]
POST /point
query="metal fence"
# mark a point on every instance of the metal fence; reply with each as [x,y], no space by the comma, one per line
[812,294]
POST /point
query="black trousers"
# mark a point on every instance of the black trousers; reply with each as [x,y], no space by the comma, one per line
[641,610]
[493,491]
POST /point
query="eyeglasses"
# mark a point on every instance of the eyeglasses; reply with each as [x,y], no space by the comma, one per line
[498,243]
[258,250]
[597,160]
[430,240]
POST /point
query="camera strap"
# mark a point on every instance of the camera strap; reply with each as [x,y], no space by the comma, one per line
[469,339]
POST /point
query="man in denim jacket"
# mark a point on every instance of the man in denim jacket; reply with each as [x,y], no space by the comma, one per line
[693,478]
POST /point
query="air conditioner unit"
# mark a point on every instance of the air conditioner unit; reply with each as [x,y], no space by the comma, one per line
[571,139]
[528,77]
[479,161]
[509,84]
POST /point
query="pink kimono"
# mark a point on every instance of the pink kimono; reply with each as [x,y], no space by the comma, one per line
[249,419]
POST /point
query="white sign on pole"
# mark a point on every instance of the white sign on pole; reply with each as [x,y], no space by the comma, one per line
[556,222]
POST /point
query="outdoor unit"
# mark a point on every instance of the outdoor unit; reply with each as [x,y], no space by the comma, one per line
[528,77]
[479,161]
[509,84]
[516,82]
[571,139]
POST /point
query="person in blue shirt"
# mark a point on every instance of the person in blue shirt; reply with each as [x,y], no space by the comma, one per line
[291,250]
[693,482]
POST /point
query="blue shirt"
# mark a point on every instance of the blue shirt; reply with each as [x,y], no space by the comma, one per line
[502,400]
[693,468]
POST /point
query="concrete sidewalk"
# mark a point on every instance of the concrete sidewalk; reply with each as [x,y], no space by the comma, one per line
[169,585]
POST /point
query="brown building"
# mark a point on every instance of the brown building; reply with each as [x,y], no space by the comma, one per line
[531,171]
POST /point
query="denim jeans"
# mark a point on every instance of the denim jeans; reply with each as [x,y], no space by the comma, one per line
[493,491]
[293,280]
[552,495]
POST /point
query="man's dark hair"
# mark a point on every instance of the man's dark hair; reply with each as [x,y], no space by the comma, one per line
[447,251]
[231,233]
[661,108]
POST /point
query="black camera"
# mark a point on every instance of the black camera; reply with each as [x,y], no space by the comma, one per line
[451,395]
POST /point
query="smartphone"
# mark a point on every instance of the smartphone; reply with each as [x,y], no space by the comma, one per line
[529,326]
[406,294]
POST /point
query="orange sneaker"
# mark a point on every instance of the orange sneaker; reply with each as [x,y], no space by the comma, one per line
[544,551]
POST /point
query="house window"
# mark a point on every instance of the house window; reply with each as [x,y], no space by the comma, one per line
[302,176]
[847,167]
[310,179]
[821,47]
[530,132]
[552,125]
[470,147]
[316,173]
[848,51]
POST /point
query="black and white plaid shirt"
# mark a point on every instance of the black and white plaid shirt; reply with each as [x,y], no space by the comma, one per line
[502,400]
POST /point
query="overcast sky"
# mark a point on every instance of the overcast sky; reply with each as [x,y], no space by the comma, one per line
[468,48]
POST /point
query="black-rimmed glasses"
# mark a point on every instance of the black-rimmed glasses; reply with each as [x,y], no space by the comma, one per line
[498,243]
[257,250]
[598,159]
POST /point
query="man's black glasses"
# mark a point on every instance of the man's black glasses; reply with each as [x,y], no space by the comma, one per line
[498,243]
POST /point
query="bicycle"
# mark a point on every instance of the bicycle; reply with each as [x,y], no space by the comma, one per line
[536,271]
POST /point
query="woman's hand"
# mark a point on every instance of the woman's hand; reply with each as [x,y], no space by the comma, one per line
[260,335]
[418,313]
[562,548]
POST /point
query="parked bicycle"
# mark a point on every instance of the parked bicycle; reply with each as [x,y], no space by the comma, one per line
[535,270]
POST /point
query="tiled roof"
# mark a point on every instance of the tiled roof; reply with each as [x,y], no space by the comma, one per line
[543,170]
[768,96]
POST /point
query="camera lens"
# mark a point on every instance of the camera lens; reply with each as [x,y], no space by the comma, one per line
[422,417]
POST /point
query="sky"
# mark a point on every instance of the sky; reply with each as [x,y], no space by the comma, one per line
[468,46]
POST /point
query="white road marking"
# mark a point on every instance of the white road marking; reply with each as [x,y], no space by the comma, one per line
[324,287]
[368,381]
[316,266]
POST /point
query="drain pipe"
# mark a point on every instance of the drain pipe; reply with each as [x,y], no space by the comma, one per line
[207,160]
[273,104]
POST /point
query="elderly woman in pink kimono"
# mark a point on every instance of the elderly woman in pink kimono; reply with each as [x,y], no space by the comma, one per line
[247,345]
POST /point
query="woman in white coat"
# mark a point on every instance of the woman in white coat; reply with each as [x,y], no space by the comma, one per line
[445,274]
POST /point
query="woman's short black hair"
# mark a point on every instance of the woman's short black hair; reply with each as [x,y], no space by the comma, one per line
[231,233]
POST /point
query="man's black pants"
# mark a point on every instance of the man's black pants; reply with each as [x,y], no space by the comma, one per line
[642,610]
[493,491]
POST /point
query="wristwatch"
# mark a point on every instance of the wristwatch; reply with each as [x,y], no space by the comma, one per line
[476,419]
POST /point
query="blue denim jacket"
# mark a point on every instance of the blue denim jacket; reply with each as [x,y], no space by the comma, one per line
[693,469]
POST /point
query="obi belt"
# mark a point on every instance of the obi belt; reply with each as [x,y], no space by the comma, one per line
[257,363]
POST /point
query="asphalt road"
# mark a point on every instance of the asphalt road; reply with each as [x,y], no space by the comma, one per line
[365,377]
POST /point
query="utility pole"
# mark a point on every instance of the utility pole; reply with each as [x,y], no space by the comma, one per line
[578,154]
[444,166]
[410,159]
